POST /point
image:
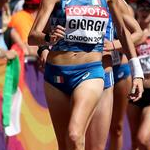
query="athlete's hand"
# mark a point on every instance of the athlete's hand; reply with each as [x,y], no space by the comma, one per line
[42,59]
[136,90]
[108,45]
[10,54]
[56,34]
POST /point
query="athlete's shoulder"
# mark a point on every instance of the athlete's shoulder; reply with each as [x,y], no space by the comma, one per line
[112,1]
[57,1]
[47,3]
[124,7]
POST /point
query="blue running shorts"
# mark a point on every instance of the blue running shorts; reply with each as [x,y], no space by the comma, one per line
[67,77]
[121,72]
[109,79]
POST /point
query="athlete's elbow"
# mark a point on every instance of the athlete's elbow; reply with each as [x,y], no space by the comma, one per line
[31,38]
[122,33]
[140,37]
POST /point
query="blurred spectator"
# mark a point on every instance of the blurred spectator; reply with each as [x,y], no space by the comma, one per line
[19,28]
[16,5]
[3,54]
[2,26]
[22,22]
[142,4]
[2,139]
[143,14]
[0,21]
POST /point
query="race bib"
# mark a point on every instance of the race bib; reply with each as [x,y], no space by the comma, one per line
[115,58]
[145,63]
[86,24]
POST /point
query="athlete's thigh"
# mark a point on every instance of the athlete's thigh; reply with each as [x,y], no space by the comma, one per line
[59,107]
[144,128]
[84,100]
[98,129]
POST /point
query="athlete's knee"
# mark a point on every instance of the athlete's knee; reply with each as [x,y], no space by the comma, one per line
[117,130]
[98,147]
[143,140]
[76,138]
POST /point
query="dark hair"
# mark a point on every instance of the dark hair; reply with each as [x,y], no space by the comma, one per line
[30,6]
[7,37]
[145,4]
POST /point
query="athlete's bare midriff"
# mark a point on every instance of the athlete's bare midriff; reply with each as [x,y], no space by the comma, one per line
[124,59]
[70,57]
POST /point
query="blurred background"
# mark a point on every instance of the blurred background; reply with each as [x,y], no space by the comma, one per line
[24,119]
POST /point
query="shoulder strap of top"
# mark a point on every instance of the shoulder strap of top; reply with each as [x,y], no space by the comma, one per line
[63,3]
[96,2]
[104,3]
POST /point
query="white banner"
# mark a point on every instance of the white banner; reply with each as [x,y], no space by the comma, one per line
[86,24]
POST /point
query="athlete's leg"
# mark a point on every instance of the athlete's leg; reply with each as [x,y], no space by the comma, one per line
[138,113]
[134,115]
[121,90]
[143,135]
[59,107]
[84,101]
[97,132]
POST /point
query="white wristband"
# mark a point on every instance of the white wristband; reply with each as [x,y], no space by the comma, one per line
[136,69]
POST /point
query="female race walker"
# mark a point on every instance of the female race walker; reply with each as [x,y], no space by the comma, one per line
[95,135]
[139,112]
[73,72]
[121,70]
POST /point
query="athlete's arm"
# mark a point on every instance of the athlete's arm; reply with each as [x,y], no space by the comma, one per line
[135,30]
[128,46]
[131,24]
[122,32]
[136,34]
[36,35]
[11,54]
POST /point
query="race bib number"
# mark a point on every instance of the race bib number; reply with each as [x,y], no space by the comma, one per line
[145,63]
[86,24]
[115,58]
